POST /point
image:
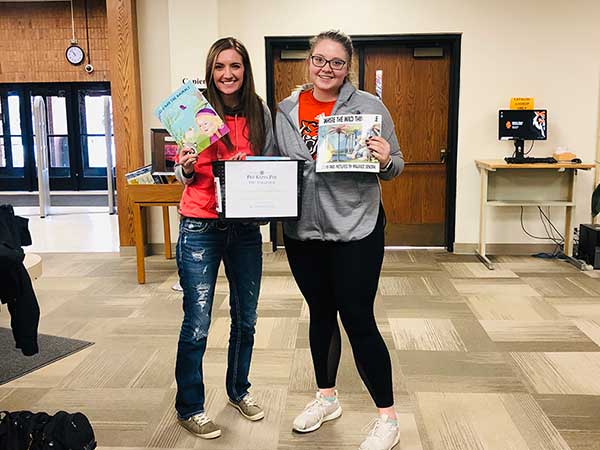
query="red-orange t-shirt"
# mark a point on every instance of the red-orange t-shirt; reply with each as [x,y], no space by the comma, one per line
[198,199]
[310,109]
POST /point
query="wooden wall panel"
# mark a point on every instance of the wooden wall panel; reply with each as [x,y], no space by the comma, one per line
[417,196]
[287,75]
[416,93]
[127,104]
[34,37]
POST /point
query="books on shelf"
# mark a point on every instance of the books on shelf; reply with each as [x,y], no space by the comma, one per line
[190,119]
[342,143]
[170,152]
[164,177]
[144,175]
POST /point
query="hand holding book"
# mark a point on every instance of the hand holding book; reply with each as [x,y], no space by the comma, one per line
[380,149]
[188,158]
[239,156]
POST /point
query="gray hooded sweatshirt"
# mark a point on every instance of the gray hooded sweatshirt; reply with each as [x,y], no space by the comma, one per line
[336,206]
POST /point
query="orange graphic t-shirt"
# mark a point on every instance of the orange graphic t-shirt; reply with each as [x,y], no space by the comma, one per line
[310,109]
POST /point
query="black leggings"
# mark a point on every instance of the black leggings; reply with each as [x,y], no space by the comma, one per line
[343,277]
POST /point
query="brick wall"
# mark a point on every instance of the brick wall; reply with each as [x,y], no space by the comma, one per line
[34,37]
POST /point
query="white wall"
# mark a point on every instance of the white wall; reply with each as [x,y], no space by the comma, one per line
[174,37]
[548,49]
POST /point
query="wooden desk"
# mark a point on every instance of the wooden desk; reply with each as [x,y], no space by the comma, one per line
[143,195]
[505,184]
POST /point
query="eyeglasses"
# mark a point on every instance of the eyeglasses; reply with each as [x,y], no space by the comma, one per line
[335,64]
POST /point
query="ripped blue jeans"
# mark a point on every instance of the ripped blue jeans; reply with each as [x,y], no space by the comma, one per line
[201,246]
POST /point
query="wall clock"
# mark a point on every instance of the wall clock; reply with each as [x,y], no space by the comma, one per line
[74,54]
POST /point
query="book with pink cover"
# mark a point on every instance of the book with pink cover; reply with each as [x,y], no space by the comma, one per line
[190,119]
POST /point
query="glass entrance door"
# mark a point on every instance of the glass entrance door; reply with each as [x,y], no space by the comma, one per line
[63,165]
[94,119]
[76,142]
[13,132]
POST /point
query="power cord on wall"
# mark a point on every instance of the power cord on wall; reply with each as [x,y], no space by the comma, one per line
[547,217]
[88,67]
[528,151]
[558,241]
[87,32]
[530,148]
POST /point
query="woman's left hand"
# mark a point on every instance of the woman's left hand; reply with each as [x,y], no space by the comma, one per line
[239,156]
[380,149]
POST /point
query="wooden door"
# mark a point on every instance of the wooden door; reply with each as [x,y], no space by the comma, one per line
[416,92]
[289,72]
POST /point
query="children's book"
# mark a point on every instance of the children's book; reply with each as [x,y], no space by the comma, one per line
[190,119]
[143,175]
[342,143]
[163,177]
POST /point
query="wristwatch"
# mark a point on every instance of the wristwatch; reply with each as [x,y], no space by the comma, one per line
[387,166]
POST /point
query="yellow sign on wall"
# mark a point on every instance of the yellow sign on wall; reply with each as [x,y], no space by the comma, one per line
[521,103]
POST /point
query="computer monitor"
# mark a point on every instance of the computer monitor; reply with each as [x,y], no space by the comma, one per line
[521,125]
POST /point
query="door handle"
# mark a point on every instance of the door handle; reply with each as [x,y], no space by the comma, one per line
[443,155]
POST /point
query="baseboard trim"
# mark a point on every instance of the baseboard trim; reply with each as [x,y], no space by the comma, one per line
[159,249]
[504,249]
[57,198]
[459,249]
[129,251]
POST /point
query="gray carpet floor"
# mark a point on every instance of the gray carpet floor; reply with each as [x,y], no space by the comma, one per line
[13,364]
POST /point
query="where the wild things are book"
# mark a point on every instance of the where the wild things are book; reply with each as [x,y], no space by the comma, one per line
[342,143]
[190,119]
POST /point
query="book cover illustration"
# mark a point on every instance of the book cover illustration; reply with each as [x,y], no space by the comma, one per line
[342,143]
[190,119]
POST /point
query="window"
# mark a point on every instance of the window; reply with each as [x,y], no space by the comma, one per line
[93,132]
[2,148]
[12,157]
[76,142]
[14,129]
[58,135]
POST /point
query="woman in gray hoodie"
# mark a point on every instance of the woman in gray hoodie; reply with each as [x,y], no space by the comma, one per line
[336,249]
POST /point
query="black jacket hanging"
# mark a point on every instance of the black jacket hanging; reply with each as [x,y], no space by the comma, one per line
[15,284]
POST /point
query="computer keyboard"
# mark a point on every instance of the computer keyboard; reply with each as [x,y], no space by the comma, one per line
[529,160]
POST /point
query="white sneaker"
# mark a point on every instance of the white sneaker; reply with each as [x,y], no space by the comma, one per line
[177,287]
[315,413]
[384,435]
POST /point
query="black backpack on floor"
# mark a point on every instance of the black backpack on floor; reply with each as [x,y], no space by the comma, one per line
[24,430]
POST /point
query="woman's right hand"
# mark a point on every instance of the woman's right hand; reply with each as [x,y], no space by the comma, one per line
[188,158]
